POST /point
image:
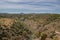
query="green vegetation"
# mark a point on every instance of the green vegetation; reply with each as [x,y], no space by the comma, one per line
[29,26]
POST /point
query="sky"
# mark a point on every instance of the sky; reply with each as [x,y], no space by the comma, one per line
[29,6]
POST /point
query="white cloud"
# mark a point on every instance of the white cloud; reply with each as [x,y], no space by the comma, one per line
[31,0]
[4,4]
[24,6]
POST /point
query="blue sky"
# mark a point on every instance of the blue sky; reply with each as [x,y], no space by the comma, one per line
[30,6]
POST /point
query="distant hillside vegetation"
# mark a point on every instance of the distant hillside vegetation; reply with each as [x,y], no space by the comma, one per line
[29,26]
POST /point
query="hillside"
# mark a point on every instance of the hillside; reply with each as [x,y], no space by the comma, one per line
[29,26]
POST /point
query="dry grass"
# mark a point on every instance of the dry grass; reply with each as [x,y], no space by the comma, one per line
[7,22]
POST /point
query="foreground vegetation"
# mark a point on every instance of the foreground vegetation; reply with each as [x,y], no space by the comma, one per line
[29,26]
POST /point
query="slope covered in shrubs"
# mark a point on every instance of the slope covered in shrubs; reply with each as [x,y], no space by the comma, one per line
[29,26]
